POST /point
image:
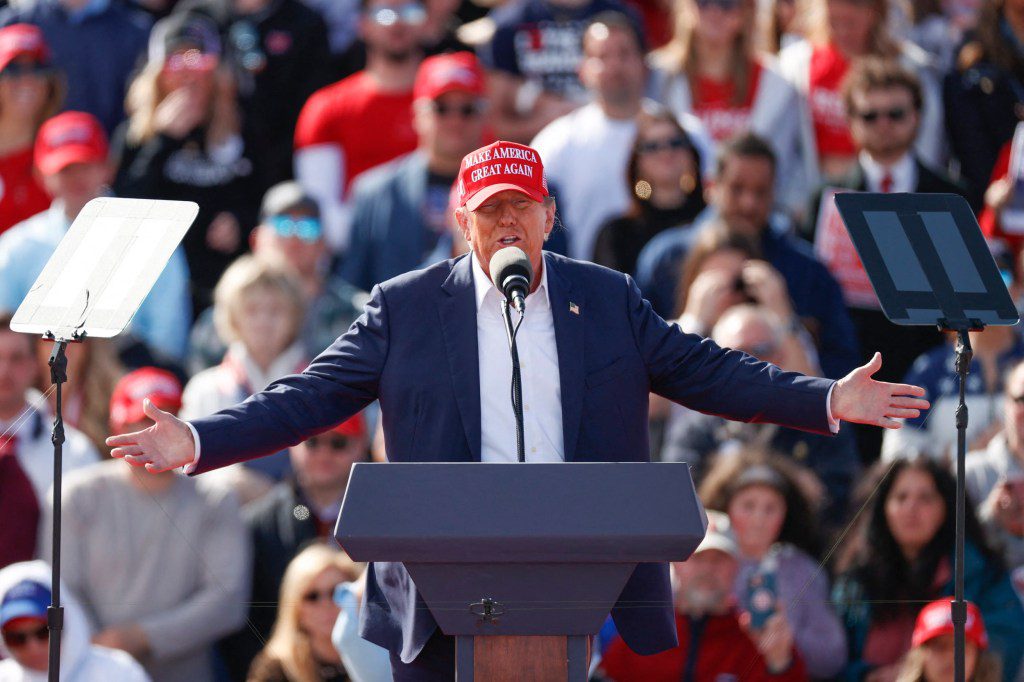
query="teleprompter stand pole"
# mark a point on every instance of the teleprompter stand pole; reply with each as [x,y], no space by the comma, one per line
[964,355]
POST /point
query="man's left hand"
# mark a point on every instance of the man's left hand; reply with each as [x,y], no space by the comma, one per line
[859,398]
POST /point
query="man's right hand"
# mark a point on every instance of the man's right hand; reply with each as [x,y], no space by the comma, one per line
[166,445]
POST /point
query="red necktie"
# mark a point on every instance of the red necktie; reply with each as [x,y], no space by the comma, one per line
[886,184]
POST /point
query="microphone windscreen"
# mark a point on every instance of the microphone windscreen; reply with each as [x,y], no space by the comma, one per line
[508,262]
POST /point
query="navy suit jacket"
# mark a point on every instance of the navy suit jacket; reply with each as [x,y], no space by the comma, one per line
[415,349]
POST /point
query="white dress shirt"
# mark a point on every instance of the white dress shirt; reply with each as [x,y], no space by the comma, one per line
[538,361]
[903,172]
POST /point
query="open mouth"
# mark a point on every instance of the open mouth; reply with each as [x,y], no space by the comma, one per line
[508,241]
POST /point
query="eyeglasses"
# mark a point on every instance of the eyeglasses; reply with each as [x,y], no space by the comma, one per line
[22,69]
[896,114]
[191,60]
[412,14]
[463,110]
[316,596]
[672,143]
[333,442]
[724,5]
[307,229]
[18,639]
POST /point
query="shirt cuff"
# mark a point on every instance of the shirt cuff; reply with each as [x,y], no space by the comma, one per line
[833,423]
[189,468]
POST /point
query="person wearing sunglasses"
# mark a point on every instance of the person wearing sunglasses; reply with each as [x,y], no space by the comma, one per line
[31,90]
[25,637]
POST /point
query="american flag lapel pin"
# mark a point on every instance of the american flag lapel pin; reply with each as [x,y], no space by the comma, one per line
[573,308]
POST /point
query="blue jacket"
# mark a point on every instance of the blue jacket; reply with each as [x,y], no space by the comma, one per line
[415,349]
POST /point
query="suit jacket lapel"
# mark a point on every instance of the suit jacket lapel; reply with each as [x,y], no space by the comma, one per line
[569,339]
[458,324]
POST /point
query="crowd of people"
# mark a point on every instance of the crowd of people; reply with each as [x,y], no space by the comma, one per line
[696,145]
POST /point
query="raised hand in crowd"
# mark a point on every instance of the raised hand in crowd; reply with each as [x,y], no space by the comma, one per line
[710,295]
[179,113]
[774,641]
[765,285]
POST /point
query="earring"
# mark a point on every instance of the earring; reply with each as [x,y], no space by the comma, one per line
[687,183]
[642,189]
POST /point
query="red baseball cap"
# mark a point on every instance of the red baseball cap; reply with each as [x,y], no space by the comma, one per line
[161,387]
[19,40]
[449,72]
[71,137]
[354,426]
[937,619]
[498,167]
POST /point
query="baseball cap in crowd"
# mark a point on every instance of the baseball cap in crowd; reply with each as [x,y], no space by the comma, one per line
[936,620]
[354,426]
[719,535]
[443,73]
[161,387]
[27,599]
[71,137]
[183,30]
[288,197]
[22,40]
[498,167]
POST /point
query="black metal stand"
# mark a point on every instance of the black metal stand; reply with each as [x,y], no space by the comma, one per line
[964,355]
[517,378]
[55,613]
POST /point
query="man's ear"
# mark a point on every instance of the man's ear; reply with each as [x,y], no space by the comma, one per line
[463,220]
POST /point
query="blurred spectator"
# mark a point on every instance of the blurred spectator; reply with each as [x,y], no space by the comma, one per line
[902,557]
[334,137]
[71,157]
[774,521]
[840,32]
[743,196]
[985,92]
[535,62]
[363,660]
[934,30]
[996,350]
[400,210]
[599,135]
[24,650]
[290,234]
[25,422]
[157,9]
[164,589]
[440,30]
[779,25]
[716,640]
[711,69]
[1000,215]
[183,142]
[19,506]
[258,310]
[95,43]
[279,54]
[693,437]
[995,475]
[931,657]
[297,512]
[342,19]
[663,179]
[300,647]
[31,91]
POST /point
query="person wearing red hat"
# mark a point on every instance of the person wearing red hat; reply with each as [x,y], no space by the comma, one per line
[399,210]
[431,346]
[190,537]
[71,157]
[31,91]
[931,657]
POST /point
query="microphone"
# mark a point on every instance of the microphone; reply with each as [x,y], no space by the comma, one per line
[512,274]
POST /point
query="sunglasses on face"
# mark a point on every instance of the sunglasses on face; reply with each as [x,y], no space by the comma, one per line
[307,229]
[332,442]
[20,638]
[412,14]
[672,143]
[20,70]
[724,5]
[192,60]
[463,110]
[896,114]
[316,596]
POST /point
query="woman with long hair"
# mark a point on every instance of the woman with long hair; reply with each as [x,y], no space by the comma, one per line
[183,141]
[839,32]
[663,175]
[300,648]
[902,557]
[773,520]
[711,69]
[31,90]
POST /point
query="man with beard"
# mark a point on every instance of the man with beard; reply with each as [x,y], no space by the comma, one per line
[716,639]
[364,120]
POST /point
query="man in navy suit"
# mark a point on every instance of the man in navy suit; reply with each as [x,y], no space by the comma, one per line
[431,347]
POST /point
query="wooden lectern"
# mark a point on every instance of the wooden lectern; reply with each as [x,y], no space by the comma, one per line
[521,563]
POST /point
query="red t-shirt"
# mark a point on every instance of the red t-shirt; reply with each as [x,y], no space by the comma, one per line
[370,126]
[713,103]
[723,651]
[21,196]
[828,113]
[989,219]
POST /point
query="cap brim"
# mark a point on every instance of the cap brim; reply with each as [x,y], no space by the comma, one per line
[59,159]
[19,608]
[455,86]
[486,193]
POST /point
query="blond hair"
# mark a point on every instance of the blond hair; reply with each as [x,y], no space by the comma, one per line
[289,645]
[246,275]
[819,32]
